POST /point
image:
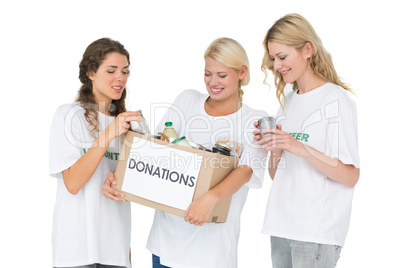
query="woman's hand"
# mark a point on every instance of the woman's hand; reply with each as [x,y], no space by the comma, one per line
[109,192]
[200,210]
[257,132]
[281,140]
[121,124]
[257,136]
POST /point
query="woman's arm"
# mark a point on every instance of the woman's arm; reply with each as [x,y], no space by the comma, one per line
[274,159]
[199,210]
[76,176]
[334,169]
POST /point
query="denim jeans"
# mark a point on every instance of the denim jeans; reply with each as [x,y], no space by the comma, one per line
[156,262]
[286,253]
[95,265]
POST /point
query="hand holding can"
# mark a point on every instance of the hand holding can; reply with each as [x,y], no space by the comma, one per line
[266,122]
[140,126]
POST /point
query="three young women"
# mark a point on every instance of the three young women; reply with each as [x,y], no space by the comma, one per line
[314,159]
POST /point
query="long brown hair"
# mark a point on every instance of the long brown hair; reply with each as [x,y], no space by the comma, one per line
[295,31]
[92,58]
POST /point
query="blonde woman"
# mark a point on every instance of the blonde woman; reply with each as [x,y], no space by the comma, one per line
[314,160]
[190,242]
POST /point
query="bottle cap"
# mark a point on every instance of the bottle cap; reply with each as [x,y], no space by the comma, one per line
[168,124]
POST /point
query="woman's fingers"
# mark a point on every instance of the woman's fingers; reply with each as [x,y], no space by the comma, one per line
[131,116]
[108,191]
[274,141]
[115,197]
[257,135]
[273,130]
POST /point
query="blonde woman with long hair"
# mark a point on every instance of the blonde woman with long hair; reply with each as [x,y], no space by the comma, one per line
[191,242]
[314,160]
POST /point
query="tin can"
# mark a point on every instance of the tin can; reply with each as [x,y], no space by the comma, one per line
[197,146]
[266,123]
[140,127]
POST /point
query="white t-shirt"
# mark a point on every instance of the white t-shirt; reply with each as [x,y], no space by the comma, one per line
[87,227]
[178,243]
[304,204]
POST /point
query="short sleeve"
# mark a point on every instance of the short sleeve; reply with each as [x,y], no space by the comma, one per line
[253,155]
[64,150]
[342,132]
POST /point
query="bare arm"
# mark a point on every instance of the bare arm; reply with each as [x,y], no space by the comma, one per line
[274,159]
[334,169]
[76,176]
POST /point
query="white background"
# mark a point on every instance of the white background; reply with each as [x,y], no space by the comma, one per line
[42,43]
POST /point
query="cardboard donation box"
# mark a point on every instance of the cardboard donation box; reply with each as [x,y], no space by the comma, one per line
[168,177]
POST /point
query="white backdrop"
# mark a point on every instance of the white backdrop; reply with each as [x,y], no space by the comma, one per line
[42,43]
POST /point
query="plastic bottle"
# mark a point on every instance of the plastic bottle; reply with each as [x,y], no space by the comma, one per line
[170,132]
[182,141]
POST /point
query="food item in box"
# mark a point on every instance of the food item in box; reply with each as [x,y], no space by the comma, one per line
[163,137]
[156,136]
[182,141]
[170,132]
[197,146]
[220,149]
[140,127]
[235,147]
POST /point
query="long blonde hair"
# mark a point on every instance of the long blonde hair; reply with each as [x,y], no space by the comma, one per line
[295,31]
[230,53]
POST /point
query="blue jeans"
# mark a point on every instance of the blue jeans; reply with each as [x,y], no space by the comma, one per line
[96,265]
[286,253]
[156,262]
